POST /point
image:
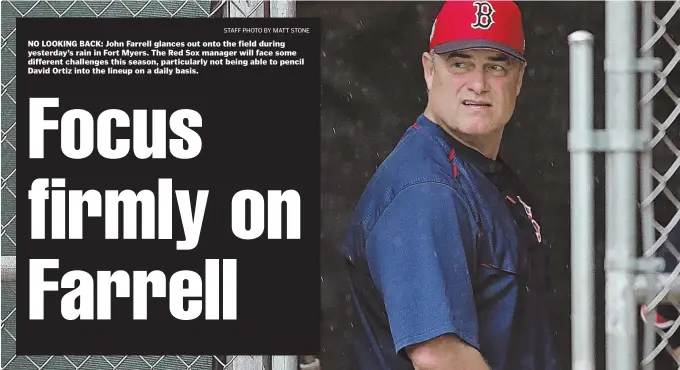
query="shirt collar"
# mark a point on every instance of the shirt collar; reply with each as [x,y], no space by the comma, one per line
[485,164]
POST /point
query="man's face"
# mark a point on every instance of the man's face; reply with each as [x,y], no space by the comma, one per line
[473,92]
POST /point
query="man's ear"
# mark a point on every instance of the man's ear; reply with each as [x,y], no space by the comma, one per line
[428,69]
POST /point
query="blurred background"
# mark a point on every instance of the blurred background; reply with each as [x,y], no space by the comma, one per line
[373,89]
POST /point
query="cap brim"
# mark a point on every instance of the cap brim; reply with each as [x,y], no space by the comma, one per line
[477,44]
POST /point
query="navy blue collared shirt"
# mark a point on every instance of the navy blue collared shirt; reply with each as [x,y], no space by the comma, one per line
[444,240]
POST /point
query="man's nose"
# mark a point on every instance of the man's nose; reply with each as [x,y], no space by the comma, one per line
[477,81]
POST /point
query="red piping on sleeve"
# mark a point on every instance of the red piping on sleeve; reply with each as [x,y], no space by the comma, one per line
[455,169]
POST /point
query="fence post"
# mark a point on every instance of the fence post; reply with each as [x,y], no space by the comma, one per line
[9,269]
[621,184]
[646,185]
[582,204]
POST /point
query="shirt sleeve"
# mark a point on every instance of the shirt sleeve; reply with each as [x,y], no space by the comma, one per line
[419,253]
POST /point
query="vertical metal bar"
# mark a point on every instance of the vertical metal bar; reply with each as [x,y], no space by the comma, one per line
[622,182]
[284,363]
[582,204]
[283,9]
[9,269]
[646,185]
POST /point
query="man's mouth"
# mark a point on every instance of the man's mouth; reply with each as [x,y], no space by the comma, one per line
[475,103]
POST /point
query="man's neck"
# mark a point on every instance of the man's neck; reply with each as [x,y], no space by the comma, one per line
[488,145]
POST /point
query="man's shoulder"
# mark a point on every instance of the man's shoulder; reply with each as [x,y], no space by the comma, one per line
[416,158]
[419,167]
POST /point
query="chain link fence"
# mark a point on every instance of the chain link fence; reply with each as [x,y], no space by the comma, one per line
[9,11]
[642,192]
[659,108]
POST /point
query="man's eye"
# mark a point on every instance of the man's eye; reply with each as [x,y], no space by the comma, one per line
[459,64]
[497,68]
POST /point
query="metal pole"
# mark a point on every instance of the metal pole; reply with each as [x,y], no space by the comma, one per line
[621,180]
[282,9]
[582,205]
[284,363]
[646,185]
[651,285]
[9,269]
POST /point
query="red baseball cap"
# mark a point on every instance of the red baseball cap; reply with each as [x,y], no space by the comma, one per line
[479,24]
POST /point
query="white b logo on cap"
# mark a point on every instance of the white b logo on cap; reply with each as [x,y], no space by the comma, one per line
[483,15]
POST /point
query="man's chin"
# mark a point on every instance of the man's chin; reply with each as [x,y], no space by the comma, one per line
[481,128]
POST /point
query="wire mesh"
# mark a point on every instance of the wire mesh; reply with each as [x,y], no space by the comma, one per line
[9,11]
[660,199]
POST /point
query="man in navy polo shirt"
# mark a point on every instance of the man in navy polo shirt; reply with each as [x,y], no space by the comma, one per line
[447,262]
